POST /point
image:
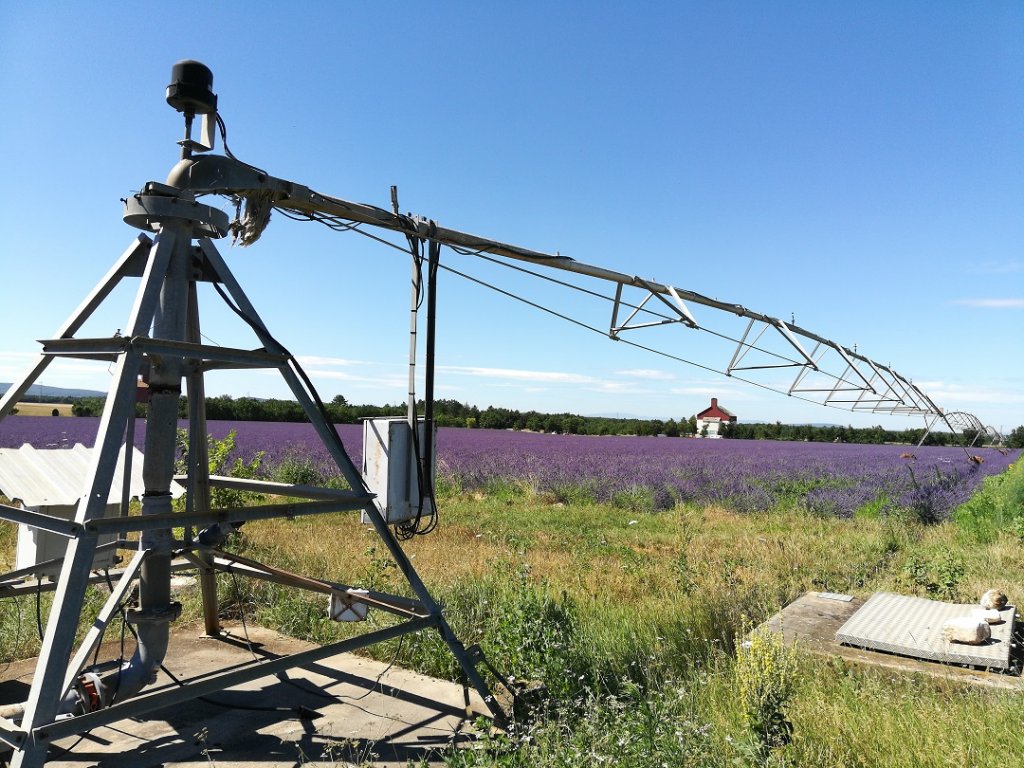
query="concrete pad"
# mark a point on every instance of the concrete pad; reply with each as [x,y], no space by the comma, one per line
[356,711]
[811,621]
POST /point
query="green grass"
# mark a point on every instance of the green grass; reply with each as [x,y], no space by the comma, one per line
[630,619]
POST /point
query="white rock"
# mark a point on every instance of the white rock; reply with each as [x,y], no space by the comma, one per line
[988,615]
[993,599]
[966,629]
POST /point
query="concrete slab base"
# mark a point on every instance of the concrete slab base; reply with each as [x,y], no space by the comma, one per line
[345,710]
[811,621]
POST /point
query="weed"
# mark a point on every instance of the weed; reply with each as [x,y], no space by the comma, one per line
[298,469]
[939,577]
[766,675]
[635,498]
[202,741]
[220,462]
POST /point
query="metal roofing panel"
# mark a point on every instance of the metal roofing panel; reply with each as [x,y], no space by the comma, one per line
[56,477]
[912,626]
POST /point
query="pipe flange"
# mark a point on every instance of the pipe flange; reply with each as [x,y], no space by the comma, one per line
[149,212]
[161,615]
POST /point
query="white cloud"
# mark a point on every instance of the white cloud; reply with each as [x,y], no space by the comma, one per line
[339,361]
[549,377]
[622,388]
[383,380]
[999,267]
[955,396]
[647,373]
[710,390]
[992,303]
[19,357]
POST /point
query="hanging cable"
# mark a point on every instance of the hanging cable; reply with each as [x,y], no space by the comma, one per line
[913,405]
[39,607]
[423,456]
[318,404]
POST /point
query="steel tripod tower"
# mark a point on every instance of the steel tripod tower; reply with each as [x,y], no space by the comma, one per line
[162,344]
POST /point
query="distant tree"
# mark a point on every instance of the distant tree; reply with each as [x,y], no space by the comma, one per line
[1016,438]
[703,430]
[88,406]
[691,425]
[553,424]
[573,425]
[534,421]
[875,435]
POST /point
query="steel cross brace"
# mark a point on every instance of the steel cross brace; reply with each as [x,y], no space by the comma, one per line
[677,306]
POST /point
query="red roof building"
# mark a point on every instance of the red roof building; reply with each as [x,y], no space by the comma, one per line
[711,419]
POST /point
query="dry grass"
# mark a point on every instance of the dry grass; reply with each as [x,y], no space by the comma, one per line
[597,553]
[43,409]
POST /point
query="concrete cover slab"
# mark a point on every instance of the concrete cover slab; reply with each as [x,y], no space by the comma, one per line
[912,626]
[344,710]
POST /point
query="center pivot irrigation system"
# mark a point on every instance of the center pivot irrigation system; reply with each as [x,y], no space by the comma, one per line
[163,346]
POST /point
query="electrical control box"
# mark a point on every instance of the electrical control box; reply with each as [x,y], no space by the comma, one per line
[392,468]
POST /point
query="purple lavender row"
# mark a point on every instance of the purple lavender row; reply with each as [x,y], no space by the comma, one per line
[830,479]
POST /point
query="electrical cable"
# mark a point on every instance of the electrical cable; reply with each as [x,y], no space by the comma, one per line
[636,345]
[402,530]
[55,751]
[588,327]
[227,150]
[789,361]
[241,614]
[424,463]
[39,608]
[125,624]
[262,332]
[301,711]
[241,610]
[334,222]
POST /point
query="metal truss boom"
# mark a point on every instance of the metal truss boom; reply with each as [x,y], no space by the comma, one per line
[830,374]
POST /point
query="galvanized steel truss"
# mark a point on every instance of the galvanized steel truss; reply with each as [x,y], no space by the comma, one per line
[825,372]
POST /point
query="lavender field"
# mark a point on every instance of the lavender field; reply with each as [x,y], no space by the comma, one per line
[642,472]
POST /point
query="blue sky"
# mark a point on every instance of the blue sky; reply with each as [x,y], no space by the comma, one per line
[857,167]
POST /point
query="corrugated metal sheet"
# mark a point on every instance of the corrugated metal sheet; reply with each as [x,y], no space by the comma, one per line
[56,476]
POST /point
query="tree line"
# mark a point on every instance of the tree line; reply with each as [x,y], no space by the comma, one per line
[452,413]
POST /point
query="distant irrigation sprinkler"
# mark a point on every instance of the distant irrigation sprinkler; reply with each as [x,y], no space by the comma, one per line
[161,342]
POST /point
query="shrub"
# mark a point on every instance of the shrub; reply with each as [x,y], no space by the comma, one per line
[220,453]
[299,470]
